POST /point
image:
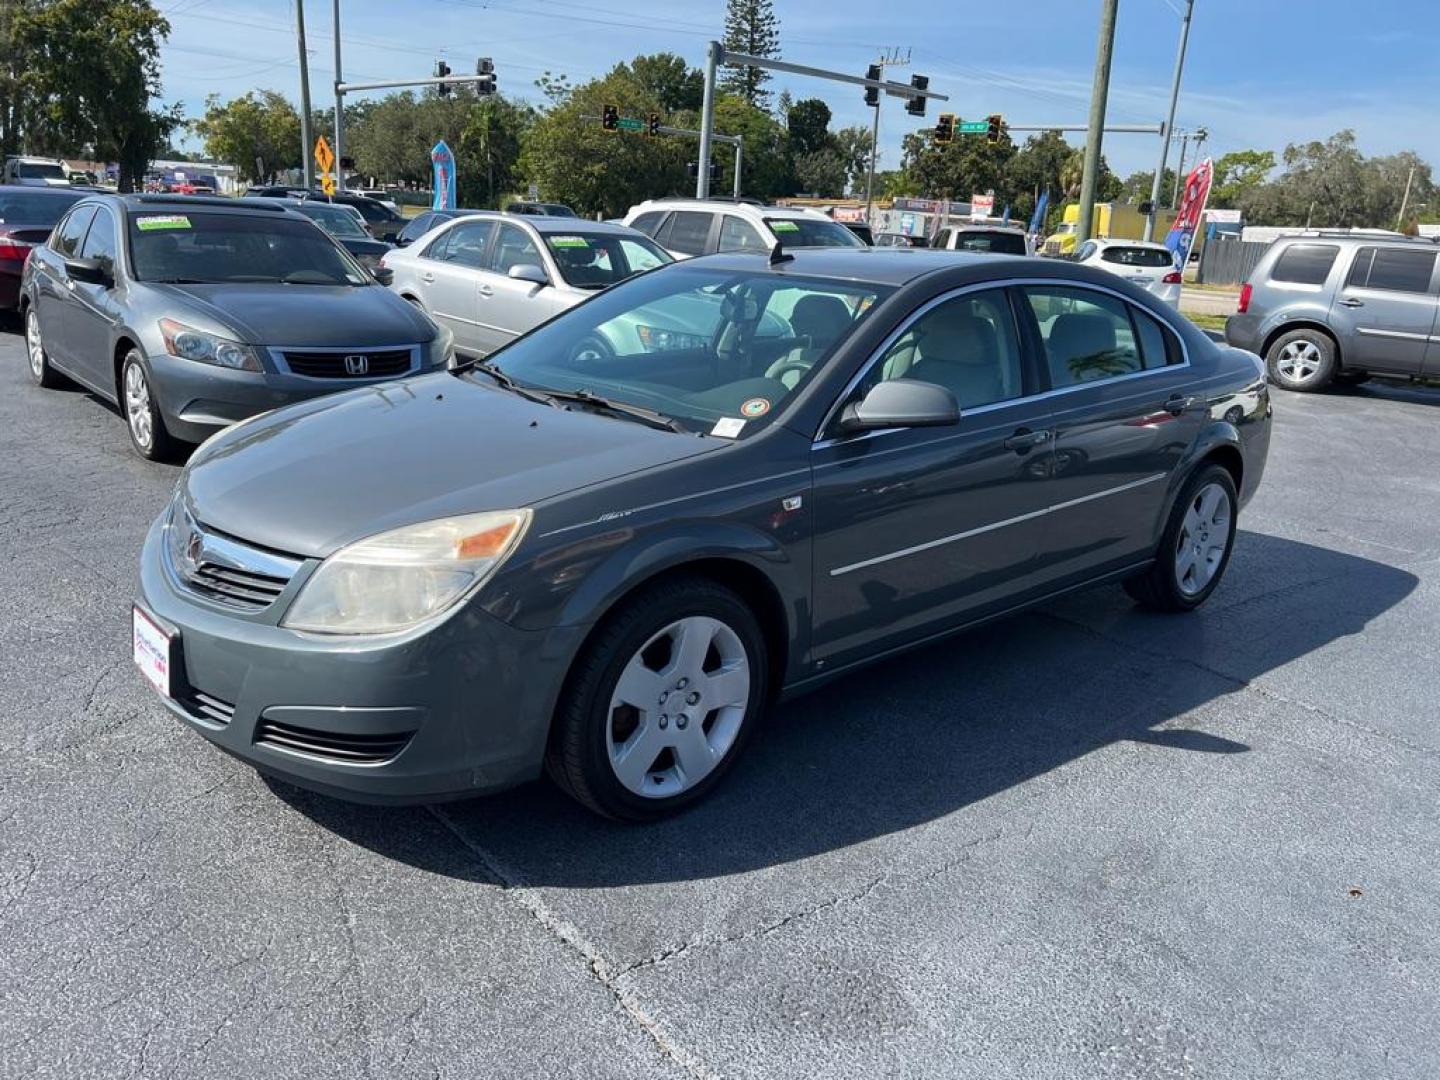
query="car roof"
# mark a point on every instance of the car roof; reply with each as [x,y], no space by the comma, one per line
[1117,241]
[544,224]
[732,206]
[154,202]
[874,265]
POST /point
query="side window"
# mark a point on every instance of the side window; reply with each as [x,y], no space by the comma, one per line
[736,234]
[1087,249]
[942,239]
[69,233]
[100,241]
[687,232]
[649,222]
[1158,346]
[513,247]
[967,344]
[1087,335]
[463,245]
[1305,264]
[1393,269]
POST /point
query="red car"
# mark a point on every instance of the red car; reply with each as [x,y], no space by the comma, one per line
[27,214]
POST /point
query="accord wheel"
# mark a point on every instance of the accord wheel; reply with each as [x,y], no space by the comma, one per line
[40,369]
[660,702]
[1196,546]
[1302,360]
[142,414]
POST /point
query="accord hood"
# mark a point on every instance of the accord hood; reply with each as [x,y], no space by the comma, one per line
[307,316]
[313,477]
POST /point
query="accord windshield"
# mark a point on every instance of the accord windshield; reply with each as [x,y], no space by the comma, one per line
[812,232]
[598,260]
[221,248]
[719,351]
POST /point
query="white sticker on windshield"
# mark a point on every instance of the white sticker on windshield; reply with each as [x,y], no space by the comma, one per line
[727,427]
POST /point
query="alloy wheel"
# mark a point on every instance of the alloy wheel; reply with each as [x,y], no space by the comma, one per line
[1204,537]
[34,344]
[678,707]
[137,406]
[1299,361]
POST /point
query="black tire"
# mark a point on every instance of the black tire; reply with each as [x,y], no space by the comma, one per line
[1159,587]
[578,758]
[1303,360]
[161,445]
[590,349]
[37,359]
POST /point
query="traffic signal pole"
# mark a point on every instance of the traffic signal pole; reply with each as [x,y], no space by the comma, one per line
[339,105]
[1099,96]
[707,120]
[1149,233]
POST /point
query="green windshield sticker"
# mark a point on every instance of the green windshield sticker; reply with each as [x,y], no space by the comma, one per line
[784,226]
[162,221]
[569,241]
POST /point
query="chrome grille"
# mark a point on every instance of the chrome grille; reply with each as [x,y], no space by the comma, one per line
[350,363]
[348,748]
[207,708]
[223,569]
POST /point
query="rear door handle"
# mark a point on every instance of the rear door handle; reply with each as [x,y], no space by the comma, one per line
[428,278]
[485,290]
[1350,301]
[1178,404]
[1024,440]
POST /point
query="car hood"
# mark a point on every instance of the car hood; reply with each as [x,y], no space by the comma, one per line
[305,315]
[313,477]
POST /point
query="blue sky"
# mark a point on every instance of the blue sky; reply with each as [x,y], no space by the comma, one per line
[1260,73]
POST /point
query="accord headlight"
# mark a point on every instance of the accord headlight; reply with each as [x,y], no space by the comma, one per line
[396,579]
[440,352]
[206,348]
[655,339]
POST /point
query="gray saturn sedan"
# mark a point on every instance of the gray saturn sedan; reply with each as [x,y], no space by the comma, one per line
[608,565]
[192,313]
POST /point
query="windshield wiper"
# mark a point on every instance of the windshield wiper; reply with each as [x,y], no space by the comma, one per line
[505,382]
[178,281]
[620,408]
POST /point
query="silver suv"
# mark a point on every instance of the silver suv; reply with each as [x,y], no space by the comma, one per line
[1340,307]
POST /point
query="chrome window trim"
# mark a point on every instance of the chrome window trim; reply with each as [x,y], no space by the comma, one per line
[277,357]
[1404,335]
[920,312]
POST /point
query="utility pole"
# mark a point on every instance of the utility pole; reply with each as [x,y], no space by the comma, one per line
[1405,201]
[1169,122]
[890,58]
[339,104]
[1180,170]
[306,143]
[707,122]
[1099,95]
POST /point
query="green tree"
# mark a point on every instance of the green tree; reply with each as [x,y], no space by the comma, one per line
[1035,169]
[670,81]
[488,155]
[258,133]
[808,123]
[766,166]
[958,169]
[853,145]
[751,28]
[1135,188]
[1236,175]
[821,173]
[92,69]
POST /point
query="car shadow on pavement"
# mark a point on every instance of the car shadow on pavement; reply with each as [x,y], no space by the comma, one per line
[1389,390]
[928,734]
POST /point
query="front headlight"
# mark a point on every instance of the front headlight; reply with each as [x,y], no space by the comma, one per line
[396,579]
[655,339]
[440,353]
[206,348]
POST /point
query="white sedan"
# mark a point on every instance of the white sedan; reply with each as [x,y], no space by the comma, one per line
[1150,266]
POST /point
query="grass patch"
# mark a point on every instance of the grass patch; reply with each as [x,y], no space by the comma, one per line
[1207,322]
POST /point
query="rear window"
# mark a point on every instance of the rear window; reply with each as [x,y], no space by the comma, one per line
[812,232]
[1395,269]
[36,170]
[648,222]
[40,210]
[1138,256]
[687,232]
[1305,264]
[998,241]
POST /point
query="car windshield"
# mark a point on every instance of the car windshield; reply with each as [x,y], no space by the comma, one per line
[36,208]
[999,241]
[716,350]
[812,232]
[598,260]
[36,170]
[338,221]
[221,248]
[1138,256]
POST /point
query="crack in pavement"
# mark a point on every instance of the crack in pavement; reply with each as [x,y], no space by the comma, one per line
[603,971]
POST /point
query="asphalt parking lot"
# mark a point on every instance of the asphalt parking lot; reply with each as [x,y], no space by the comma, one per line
[1088,842]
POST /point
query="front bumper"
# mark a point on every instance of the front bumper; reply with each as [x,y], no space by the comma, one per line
[467,701]
[198,400]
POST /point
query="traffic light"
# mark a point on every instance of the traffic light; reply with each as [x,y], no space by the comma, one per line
[610,117]
[945,127]
[915,106]
[692,169]
[652,127]
[442,69]
[872,93]
[993,132]
[485,68]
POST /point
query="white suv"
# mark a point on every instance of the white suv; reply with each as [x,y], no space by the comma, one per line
[689,227]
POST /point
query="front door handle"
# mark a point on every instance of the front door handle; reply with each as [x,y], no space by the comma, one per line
[1178,404]
[485,290]
[1350,301]
[1024,440]
[428,278]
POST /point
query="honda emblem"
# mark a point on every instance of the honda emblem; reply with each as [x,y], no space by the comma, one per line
[357,364]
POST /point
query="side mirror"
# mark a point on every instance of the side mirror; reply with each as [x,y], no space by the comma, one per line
[901,403]
[401,241]
[383,274]
[529,272]
[90,271]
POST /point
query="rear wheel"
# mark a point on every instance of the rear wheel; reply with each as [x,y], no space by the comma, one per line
[1195,548]
[40,369]
[1302,360]
[661,701]
[142,413]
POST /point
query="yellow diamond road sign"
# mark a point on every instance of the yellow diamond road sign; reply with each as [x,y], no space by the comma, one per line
[324,156]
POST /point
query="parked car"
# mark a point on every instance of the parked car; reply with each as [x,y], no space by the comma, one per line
[380,195]
[345,225]
[383,222]
[192,313]
[687,227]
[35,172]
[1146,266]
[540,209]
[27,214]
[610,566]
[994,239]
[901,240]
[422,223]
[491,277]
[1326,308]
[863,231]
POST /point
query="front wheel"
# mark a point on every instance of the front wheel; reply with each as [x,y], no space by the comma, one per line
[1195,548]
[142,413]
[660,702]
